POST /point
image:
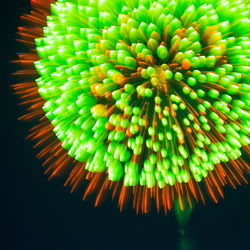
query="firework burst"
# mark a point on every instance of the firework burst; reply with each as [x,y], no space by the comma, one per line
[149,98]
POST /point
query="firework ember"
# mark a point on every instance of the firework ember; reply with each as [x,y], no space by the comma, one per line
[142,97]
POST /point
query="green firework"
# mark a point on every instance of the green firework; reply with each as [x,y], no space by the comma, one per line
[154,92]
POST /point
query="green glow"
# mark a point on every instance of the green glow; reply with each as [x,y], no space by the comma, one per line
[116,93]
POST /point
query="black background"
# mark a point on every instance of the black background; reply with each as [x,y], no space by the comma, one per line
[41,214]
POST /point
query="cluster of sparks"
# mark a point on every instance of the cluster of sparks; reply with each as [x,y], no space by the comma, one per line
[143,97]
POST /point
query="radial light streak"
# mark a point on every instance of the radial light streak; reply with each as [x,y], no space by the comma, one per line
[145,98]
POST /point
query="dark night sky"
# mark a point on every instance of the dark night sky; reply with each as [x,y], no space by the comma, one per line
[41,214]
